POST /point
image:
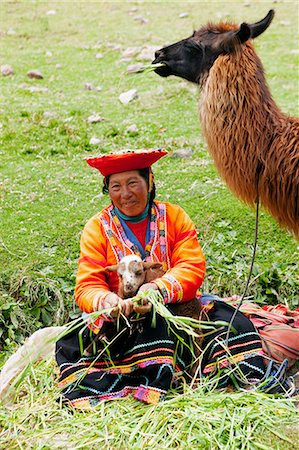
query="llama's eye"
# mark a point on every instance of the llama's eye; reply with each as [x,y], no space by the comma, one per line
[192,46]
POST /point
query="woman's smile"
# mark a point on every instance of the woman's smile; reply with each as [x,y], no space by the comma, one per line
[128,192]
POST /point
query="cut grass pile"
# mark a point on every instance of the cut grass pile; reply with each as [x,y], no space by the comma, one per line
[192,419]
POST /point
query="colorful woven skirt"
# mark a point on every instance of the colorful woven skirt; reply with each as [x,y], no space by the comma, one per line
[146,358]
[143,360]
[236,356]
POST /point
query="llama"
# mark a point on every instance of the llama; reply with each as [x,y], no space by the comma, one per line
[254,145]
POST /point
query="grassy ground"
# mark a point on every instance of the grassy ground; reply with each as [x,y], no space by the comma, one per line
[48,192]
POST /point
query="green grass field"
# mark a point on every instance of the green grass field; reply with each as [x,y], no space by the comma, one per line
[48,192]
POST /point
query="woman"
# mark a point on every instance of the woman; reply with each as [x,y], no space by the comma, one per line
[134,355]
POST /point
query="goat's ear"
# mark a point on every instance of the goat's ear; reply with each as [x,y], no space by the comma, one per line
[111,268]
[151,265]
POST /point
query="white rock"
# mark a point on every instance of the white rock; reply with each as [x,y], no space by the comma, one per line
[38,89]
[6,70]
[48,54]
[51,12]
[135,68]
[116,47]
[91,87]
[95,118]
[11,32]
[49,115]
[58,66]
[148,53]
[26,87]
[94,141]
[130,52]
[183,153]
[141,19]
[132,129]
[99,56]
[35,74]
[127,97]
[183,15]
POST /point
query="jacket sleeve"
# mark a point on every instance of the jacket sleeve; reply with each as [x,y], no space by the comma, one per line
[91,282]
[187,261]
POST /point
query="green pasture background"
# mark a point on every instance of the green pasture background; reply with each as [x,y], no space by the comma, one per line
[47,190]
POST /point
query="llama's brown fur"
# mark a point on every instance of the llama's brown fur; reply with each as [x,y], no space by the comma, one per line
[254,145]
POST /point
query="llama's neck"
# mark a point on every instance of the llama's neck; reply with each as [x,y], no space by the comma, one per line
[237,115]
[235,96]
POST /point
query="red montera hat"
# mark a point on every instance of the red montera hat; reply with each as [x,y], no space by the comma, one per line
[110,163]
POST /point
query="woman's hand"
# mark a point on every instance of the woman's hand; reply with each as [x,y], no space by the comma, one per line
[146,306]
[118,305]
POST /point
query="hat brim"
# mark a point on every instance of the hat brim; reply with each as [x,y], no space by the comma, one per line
[111,163]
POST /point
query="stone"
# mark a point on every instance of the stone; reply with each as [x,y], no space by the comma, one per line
[26,87]
[94,141]
[99,55]
[147,53]
[127,97]
[6,70]
[140,19]
[49,115]
[95,118]
[130,52]
[35,74]
[135,68]
[132,129]
[91,87]
[183,15]
[183,153]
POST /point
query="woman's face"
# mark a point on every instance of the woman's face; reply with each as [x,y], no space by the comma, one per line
[128,192]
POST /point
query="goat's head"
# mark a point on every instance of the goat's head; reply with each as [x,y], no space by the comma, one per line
[192,58]
[132,273]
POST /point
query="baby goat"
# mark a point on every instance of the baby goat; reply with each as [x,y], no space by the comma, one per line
[133,272]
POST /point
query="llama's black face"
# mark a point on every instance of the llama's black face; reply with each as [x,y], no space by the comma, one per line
[189,59]
[193,57]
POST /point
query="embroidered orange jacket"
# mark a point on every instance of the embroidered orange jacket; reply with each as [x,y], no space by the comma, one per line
[173,242]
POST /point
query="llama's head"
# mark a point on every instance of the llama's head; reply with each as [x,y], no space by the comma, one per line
[192,58]
[132,272]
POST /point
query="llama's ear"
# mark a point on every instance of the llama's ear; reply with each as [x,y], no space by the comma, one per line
[259,27]
[244,33]
[111,268]
[151,265]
